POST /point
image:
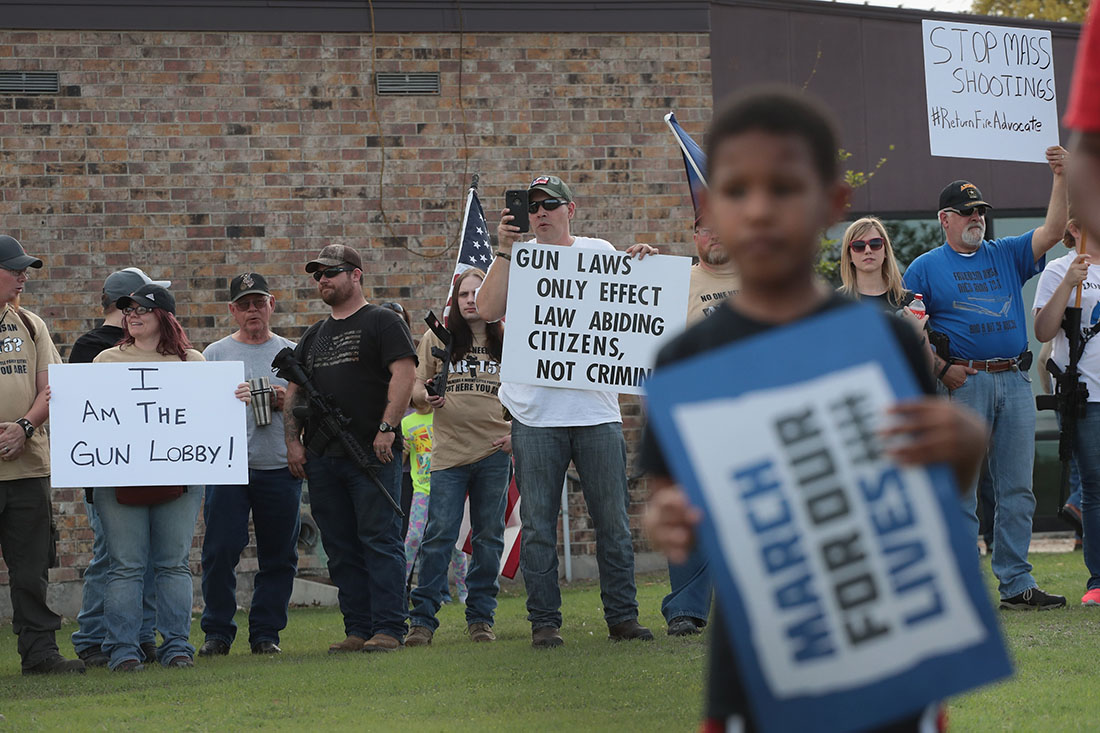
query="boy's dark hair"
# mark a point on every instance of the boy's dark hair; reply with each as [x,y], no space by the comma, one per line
[780,111]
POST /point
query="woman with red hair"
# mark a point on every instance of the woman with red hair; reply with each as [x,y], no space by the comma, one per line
[144,525]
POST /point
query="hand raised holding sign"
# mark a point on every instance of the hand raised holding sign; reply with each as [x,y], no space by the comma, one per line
[1056,159]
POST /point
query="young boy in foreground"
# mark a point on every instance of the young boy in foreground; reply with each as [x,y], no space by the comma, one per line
[774,188]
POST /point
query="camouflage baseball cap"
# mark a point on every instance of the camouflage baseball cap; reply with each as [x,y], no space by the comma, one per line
[335,255]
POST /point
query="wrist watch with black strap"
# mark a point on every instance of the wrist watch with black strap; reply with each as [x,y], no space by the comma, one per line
[385,427]
[28,427]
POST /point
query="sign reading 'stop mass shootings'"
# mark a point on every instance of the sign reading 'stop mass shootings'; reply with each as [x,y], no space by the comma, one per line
[849,584]
[590,318]
[147,424]
[990,91]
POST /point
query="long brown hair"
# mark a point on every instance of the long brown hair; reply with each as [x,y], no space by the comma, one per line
[891,275]
[462,338]
[173,341]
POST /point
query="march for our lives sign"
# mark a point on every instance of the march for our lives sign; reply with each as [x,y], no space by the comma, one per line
[850,584]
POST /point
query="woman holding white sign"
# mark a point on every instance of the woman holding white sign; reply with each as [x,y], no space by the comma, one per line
[470,455]
[153,524]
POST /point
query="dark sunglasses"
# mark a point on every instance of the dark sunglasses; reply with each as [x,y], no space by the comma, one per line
[858,245]
[331,272]
[395,307]
[980,209]
[548,204]
[138,309]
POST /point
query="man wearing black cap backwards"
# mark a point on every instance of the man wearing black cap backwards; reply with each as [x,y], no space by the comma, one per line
[971,288]
[362,359]
[26,351]
[273,495]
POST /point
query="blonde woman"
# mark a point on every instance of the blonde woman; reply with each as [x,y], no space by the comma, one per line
[868,269]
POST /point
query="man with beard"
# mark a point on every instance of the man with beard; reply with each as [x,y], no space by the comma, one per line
[713,279]
[971,288]
[362,359]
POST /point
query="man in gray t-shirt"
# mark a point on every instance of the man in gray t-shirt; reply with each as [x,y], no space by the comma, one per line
[272,495]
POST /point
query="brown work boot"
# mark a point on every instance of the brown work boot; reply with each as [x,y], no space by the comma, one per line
[481,631]
[382,643]
[419,636]
[351,644]
[546,637]
[628,631]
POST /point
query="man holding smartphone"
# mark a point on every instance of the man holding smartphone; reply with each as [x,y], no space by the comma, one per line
[553,426]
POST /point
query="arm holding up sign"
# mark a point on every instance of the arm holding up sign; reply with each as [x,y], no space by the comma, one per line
[1054,227]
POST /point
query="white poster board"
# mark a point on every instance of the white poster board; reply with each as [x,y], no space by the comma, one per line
[147,424]
[590,318]
[990,91]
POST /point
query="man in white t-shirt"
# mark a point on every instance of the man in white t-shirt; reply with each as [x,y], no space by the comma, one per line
[553,426]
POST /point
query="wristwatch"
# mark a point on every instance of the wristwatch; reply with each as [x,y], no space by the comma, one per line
[28,428]
[385,427]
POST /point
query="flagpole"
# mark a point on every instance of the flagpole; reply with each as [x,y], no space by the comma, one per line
[683,149]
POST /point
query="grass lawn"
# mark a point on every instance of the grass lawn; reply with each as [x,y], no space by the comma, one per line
[590,684]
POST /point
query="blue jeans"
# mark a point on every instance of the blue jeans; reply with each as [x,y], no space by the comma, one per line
[138,537]
[542,456]
[691,588]
[1005,401]
[487,483]
[361,534]
[92,625]
[274,498]
[1087,453]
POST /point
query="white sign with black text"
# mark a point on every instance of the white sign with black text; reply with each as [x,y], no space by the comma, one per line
[590,318]
[990,91]
[147,424]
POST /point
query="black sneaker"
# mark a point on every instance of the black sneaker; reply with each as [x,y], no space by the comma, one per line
[149,651]
[94,656]
[56,664]
[213,648]
[1033,598]
[684,626]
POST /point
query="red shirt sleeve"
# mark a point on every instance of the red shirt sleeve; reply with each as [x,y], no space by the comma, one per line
[1084,99]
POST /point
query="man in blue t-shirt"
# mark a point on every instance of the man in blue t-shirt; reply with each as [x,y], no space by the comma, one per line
[972,290]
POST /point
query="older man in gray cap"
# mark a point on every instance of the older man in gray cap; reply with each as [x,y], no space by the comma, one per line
[26,351]
[88,638]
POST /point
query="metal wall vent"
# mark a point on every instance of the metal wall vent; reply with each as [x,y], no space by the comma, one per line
[29,82]
[407,84]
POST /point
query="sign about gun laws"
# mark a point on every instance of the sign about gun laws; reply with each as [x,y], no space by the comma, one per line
[990,91]
[590,318]
[147,424]
[848,583]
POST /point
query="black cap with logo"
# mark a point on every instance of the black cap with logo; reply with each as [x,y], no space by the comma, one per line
[961,195]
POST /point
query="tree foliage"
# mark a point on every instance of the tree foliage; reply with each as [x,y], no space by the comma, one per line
[1068,11]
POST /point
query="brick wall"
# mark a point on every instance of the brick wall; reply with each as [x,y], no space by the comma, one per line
[199,155]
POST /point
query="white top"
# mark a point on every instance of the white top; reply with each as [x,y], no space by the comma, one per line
[557,407]
[1090,314]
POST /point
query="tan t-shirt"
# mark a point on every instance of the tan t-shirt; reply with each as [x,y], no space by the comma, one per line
[21,359]
[466,426]
[132,353]
[707,291]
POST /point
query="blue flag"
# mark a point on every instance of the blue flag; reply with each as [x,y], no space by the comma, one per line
[695,161]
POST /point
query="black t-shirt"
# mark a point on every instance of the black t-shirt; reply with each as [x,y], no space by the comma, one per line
[348,360]
[88,346]
[886,302]
[725,692]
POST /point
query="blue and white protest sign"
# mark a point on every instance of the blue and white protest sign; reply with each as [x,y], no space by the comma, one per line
[147,424]
[849,584]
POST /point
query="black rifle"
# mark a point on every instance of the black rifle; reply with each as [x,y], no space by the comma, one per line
[331,421]
[437,385]
[1071,395]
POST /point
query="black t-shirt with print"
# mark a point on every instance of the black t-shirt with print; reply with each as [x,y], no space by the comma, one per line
[726,695]
[348,360]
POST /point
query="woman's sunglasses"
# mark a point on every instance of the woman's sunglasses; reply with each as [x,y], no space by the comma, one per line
[548,204]
[858,245]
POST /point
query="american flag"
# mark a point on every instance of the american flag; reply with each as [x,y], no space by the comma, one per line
[695,161]
[475,252]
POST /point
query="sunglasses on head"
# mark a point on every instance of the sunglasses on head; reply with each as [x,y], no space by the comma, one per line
[395,307]
[331,272]
[967,214]
[136,309]
[875,243]
[548,204]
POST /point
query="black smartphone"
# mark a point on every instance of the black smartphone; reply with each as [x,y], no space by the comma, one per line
[516,203]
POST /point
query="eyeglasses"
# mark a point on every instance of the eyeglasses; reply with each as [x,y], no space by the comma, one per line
[875,243]
[395,307]
[25,272]
[548,204]
[247,304]
[967,214]
[331,272]
[136,309]
[703,232]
